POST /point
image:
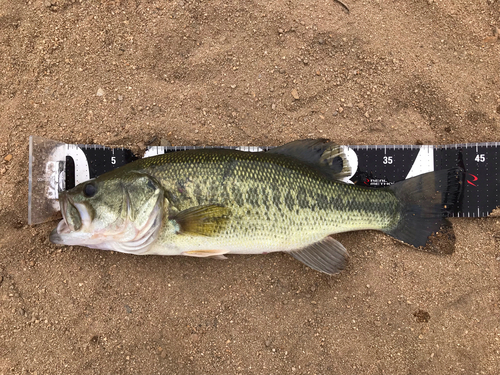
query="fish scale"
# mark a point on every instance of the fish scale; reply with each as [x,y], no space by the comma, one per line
[262,192]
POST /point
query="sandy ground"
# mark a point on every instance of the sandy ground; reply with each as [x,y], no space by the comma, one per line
[222,73]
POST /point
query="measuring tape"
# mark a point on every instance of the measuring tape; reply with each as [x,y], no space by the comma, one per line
[56,166]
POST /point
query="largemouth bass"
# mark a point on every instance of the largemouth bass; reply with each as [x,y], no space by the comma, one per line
[212,202]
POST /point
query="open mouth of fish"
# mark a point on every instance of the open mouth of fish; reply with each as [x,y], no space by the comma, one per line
[75,217]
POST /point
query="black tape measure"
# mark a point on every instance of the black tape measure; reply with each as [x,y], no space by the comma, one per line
[376,166]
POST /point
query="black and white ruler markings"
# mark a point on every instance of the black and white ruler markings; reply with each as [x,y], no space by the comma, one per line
[375,166]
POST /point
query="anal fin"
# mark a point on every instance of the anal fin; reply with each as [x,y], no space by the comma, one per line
[328,256]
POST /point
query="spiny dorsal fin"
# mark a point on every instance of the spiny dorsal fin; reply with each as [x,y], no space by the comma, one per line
[328,256]
[205,220]
[329,157]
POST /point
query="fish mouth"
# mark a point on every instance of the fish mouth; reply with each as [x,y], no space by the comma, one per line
[71,216]
[56,236]
[75,218]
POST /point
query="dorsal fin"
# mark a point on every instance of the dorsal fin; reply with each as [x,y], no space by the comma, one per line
[328,156]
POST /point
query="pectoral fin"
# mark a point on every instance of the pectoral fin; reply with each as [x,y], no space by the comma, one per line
[327,255]
[203,220]
[219,254]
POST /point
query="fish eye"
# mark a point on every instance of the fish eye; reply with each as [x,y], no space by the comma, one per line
[89,190]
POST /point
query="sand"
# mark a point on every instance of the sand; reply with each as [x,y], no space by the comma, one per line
[129,73]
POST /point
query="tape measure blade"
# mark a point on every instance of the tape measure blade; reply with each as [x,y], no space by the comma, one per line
[377,166]
[382,165]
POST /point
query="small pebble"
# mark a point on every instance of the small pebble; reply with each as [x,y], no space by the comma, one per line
[8,157]
[295,94]
[100,92]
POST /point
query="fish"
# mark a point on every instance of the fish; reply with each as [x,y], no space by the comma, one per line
[214,202]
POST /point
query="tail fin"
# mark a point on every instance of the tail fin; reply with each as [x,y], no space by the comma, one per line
[425,201]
